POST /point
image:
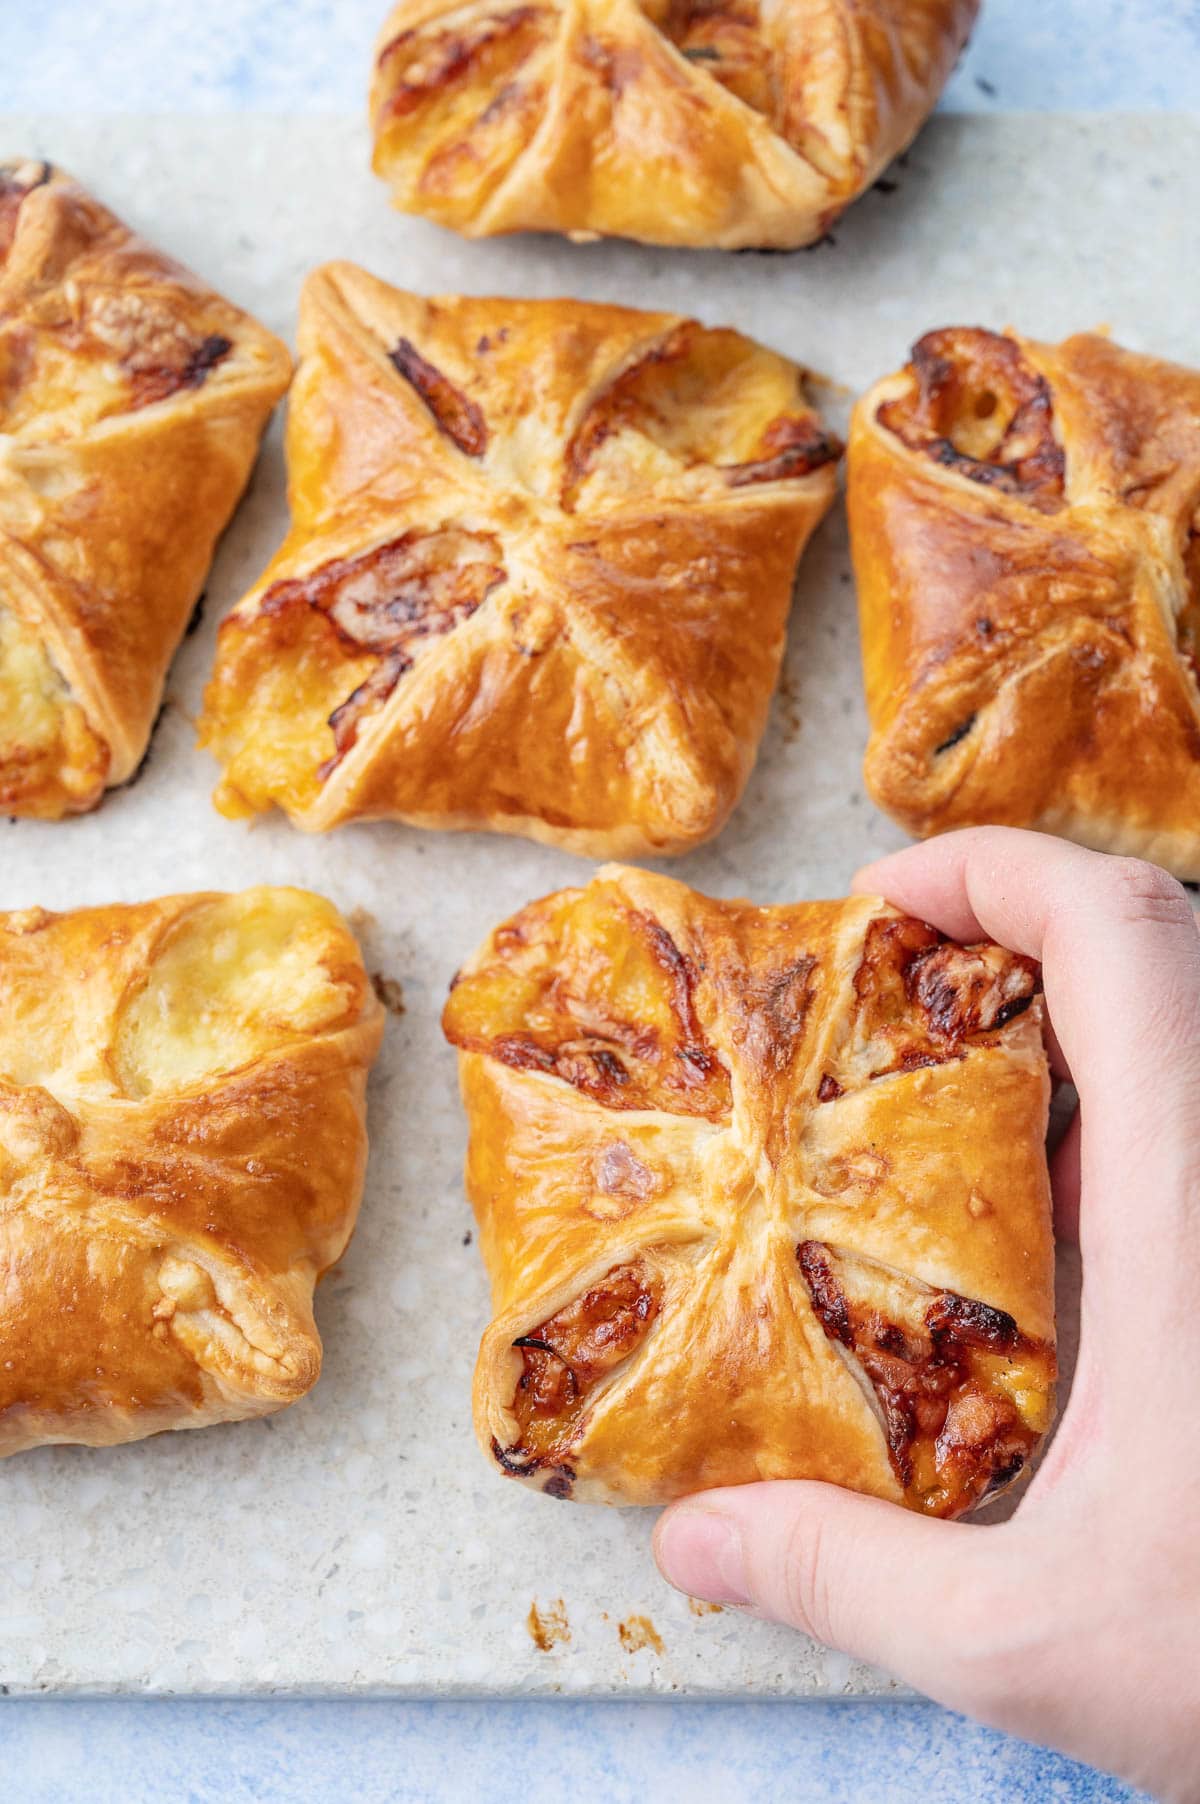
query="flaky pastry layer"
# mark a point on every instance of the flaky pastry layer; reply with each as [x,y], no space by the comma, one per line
[132,399]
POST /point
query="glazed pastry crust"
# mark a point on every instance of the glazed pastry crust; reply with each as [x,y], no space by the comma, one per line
[677,122]
[724,1159]
[538,576]
[1031,622]
[132,399]
[182,1147]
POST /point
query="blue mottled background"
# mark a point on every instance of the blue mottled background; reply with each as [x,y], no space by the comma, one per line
[302,56]
[297,56]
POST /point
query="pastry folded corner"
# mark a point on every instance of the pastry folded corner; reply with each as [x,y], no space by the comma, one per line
[718,124]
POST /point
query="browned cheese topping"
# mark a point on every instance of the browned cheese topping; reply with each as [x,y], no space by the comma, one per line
[978,407]
[950,1382]
[566,1358]
[603,1000]
[388,601]
[156,373]
[677,394]
[792,445]
[921,997]
[135,331]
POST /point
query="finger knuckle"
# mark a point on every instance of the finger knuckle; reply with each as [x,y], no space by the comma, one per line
[810,1586]
[1140,894]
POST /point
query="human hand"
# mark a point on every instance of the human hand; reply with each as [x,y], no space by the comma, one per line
[1077,1622]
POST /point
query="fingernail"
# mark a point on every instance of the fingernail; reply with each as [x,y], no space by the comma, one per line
[700,1552]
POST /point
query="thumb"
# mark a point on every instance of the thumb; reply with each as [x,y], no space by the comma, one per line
[927,1600]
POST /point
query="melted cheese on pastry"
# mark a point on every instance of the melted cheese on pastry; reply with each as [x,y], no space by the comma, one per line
[237,977]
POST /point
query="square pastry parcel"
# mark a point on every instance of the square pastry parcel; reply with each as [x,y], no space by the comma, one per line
[182,1149]
[132,398]
[762,1193]
[539,572]
[1025,523]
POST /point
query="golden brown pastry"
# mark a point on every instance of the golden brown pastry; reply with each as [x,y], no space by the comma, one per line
[538,577]
[182,1143]
[131,403]
[762,1193]
[697,122]
[1025,522]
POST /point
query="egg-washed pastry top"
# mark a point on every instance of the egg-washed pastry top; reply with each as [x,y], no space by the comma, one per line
[132,398]
[690,122]
[182,1145]
[1025,524]
[762,1193]
[538,577]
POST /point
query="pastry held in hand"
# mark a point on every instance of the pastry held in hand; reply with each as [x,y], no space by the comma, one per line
[538,576]
[762,1193]
[691,122]
[1025,523]
[182,1144]
[132,399]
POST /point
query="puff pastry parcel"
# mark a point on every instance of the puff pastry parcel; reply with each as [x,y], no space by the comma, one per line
[538,577]
[182,1146]
[131,403]
[762,1193]
[692,122]
[1025,522]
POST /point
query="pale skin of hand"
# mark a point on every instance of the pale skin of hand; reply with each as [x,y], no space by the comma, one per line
[1077,1622]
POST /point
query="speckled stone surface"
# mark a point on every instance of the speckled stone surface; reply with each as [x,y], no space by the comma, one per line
[360,1542]
[81,57]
